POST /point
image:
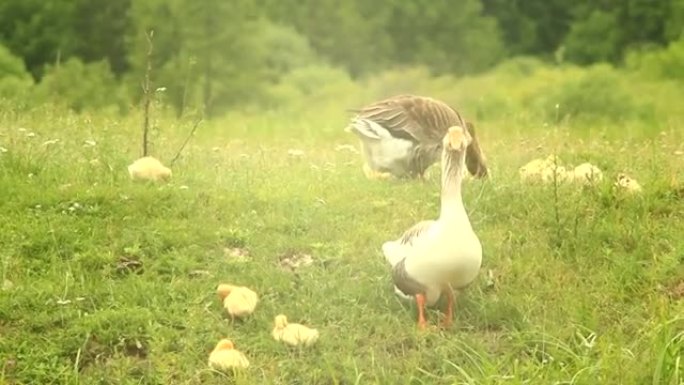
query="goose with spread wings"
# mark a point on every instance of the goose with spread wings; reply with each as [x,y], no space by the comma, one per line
[401,136]
[434,257]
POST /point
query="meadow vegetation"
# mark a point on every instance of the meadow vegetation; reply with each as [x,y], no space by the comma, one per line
[110,281]
[106,280]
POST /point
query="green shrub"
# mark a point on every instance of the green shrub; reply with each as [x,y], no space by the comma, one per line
[593,39]
[281,49]
[289,69]
[413,80]
[597,94]
[15,81]
[312,84]
[81,86]
[663,63]
[519,66]
[497,94]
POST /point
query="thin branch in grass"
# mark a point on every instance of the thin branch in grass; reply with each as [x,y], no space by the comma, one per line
[190,135]
[77,361]
[146,92]
[186,86]
[556,204]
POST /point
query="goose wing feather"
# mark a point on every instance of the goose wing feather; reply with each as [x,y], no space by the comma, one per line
[417,118]
[422,120]
[368,129]
[397,250]
[415,231]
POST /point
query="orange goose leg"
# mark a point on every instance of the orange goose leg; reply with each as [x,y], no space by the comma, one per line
[449,312]
[420,302]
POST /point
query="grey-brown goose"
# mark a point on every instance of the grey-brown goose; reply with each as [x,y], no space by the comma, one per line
[402,136]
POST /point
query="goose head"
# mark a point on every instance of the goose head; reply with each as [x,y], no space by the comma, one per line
[475,159]
[224,344]
[454,147]
[457,139]
[280,321]
[223,290]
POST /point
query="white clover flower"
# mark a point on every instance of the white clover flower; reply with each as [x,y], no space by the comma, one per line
[295,153]
[75,206]
[346,147]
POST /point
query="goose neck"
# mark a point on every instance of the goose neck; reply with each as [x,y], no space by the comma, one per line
[452,178]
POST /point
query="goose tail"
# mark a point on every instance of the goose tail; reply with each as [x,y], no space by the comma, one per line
[393,252]
[367,129]
[402,295]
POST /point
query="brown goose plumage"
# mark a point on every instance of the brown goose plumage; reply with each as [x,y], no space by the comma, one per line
[423,121]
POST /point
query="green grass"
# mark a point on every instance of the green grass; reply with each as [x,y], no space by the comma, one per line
[583,278]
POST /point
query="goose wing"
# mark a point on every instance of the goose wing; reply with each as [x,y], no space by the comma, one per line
[424,120]
[395,251]
[415,232]
[416,118]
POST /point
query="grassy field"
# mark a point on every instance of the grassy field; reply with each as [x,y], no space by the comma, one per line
[107,281]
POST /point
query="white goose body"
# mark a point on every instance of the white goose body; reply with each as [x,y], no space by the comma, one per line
[432,257]
[445,254]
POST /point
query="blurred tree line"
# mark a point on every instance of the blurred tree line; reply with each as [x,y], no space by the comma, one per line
[217,53]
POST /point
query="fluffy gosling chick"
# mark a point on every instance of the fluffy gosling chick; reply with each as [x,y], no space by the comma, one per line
[149,168]
[531,170]
[626,183]
[561,174]
[542,169]
[238,301]
[225,357]
[292,333]
[587,173]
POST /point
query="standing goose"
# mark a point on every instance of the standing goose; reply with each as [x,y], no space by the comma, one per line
[435,255]
[402,136]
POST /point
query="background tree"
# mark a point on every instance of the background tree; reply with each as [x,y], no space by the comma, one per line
[446,38]
[214,54]
[351,34]
[101,27]
[38,31]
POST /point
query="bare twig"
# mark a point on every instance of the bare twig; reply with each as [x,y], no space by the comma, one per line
[192,132]
[186,86]
[146,92]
